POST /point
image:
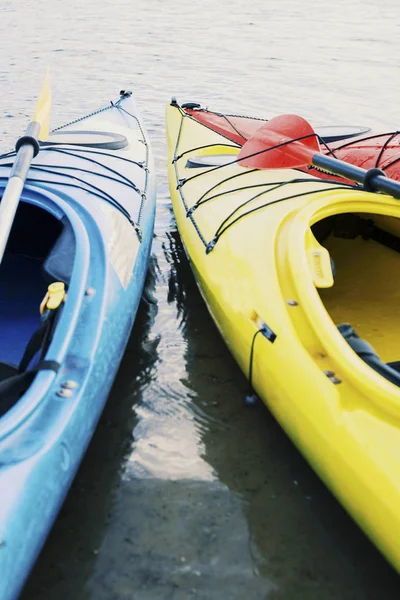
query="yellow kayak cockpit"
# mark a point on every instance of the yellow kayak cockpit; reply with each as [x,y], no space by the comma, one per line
[365,293]
[346,294]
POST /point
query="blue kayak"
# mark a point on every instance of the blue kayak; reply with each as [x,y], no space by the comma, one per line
[70,284]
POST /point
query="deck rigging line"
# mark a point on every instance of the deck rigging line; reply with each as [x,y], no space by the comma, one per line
[225,225]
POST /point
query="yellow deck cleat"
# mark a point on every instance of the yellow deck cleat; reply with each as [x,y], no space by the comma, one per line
[54,296]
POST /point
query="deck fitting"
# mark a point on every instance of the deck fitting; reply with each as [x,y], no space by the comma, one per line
[332,377]
[329,373]
[70,384]
[65,393]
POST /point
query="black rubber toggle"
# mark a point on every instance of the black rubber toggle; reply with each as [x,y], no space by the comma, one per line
[368,183]
[268,333]
[191,105]
[138,232]
[173,101]
[191,210]
[211,245]
[125,93]
[25,140]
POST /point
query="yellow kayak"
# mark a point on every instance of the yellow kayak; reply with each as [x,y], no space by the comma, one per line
[301,277]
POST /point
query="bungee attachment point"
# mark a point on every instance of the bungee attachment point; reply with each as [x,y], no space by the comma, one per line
[211,245]
[138,232]
[191,105]
[191,210]
[268,333]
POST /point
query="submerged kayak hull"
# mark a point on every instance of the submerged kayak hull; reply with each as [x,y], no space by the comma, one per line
[44,436]
[247,236]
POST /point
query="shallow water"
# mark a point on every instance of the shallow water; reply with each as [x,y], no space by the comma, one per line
[184,491]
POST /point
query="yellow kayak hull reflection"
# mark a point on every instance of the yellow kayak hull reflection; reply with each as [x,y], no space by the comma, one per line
[259,268]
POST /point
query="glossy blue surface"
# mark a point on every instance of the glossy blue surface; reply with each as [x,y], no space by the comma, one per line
[44,436]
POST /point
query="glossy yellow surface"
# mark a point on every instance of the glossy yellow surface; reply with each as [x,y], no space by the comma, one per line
[267,268]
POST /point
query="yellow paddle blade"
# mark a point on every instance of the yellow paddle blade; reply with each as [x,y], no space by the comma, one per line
[42,114]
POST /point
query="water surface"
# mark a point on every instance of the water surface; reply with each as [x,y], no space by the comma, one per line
[185,492]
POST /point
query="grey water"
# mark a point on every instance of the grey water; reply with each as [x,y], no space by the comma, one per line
[185,492]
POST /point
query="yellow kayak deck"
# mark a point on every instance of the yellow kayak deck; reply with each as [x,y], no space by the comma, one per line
[252,240]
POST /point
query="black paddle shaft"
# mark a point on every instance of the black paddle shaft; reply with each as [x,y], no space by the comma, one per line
[373,180]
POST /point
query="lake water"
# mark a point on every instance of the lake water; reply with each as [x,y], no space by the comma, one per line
[185,492]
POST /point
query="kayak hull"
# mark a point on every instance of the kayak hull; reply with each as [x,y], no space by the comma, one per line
[250,257]
[44,437]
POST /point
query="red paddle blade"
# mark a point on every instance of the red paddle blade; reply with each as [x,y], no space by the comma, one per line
[260,151]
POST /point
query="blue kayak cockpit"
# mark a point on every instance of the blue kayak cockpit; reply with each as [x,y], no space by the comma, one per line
[49,245]
[94,182]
